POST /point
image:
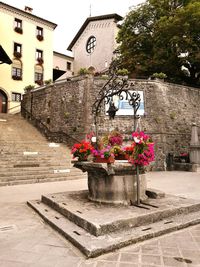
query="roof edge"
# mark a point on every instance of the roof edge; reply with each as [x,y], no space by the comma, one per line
[89,19]
[28,14]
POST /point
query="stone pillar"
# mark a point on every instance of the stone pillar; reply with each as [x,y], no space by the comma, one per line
[194,145]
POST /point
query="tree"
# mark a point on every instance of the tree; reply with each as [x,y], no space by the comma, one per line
[162,36]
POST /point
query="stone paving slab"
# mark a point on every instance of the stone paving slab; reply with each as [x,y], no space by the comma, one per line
[88,215]
[93,246]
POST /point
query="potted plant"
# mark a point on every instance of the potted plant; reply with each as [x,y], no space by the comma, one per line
[123,72]
[83,71]
[104,155]
[40,37]
[82,150]
[47,82]
[159,76]
[39,82]
[18,30]
[17,78]
[17,54]
[141,151]
[40,60]
[28,88]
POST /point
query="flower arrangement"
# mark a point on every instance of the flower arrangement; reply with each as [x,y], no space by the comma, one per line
[115,138]
[117,151]
[82,150]
[141,151]
[40,37]
[18,30]
[105,152]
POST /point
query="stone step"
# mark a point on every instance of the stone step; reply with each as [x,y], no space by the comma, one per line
[39,176]
[38,150]
[37,180]
[18,136]
[82,212]
[45,168]
[38,171]
[28,159]
[51,162]
[93,246]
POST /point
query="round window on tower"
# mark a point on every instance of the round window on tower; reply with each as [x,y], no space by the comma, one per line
[91,43]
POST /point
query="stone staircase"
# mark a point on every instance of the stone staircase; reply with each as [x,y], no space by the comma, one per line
[27,157]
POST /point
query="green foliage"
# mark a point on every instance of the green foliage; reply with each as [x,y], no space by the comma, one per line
[162,36]
[48,81]
[123,72]
[159,75]
[83,71]
[29,88]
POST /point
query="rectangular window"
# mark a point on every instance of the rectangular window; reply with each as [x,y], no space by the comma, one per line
[16,97]
[16,72]
[38,76]
[39,31]
[17,47]
[18,23]
[69,65]
[39,54]
[17,50]
[18,26]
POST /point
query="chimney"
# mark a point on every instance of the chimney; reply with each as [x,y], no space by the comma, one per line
[28,9]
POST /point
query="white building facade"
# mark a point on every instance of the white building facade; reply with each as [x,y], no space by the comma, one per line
[95,42]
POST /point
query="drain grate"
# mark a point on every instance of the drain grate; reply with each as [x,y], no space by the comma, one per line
[7,228]
[76,233]
[182,260]
[79,211]
[146,229]
[168,222]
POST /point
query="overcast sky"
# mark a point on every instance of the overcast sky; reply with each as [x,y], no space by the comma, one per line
[70,15]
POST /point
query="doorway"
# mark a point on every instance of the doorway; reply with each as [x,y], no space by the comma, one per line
[3,102]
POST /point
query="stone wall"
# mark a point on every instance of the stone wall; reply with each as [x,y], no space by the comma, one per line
[170,110]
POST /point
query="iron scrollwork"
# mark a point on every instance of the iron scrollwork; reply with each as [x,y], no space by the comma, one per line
[116,86]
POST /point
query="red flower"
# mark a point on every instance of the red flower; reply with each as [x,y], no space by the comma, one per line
[82,150]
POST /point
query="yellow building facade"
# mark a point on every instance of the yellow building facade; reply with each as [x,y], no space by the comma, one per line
[28,41]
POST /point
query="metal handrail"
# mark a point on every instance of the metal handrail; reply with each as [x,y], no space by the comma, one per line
[46,128]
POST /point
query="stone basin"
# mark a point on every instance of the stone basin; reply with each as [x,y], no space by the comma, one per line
[113,183]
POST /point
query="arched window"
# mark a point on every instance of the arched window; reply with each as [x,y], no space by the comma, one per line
[39,74]
[16,69]
[91,43]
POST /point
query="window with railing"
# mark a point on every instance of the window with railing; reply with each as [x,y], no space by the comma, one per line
[39,74]
[17,70]
[16,97]
[18,25]
[17,51]
[39,56]
[39,33]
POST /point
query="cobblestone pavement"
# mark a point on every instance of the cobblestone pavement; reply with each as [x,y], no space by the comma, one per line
[25,240]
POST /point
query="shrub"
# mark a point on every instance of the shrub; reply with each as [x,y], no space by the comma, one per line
[48,81]
[122,72]
[83,71]
[29,88]
[159,75]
